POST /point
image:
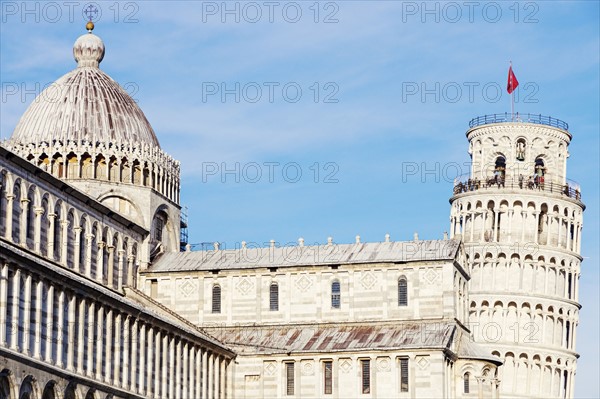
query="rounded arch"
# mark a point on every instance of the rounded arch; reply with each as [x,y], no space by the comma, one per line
[163,229]
[29,389]
[71,391]
[72,165]
[7,384]
[467,382]
[500,165]
[51,390]
[123,204]
[520,148]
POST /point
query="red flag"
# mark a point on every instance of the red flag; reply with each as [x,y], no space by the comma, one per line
[512,81]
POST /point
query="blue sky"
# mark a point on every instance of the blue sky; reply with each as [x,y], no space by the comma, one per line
[393,83]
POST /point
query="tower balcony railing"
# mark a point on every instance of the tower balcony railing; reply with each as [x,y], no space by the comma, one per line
[569,188]
[508,117]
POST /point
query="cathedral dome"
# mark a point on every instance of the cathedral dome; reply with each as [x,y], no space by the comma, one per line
[85,104]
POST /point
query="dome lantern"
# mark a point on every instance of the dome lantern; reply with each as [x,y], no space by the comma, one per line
[88,49]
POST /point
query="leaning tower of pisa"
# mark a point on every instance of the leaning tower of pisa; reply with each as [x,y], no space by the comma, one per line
[520,220]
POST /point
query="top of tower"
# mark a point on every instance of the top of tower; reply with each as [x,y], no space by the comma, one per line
[85,104]
[519,118]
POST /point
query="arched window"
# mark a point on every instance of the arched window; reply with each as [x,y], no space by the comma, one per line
[335,295]
[158,226]
[402,292]
[274,297]
[216,299]
[500,166]
[466,388]
[540,169]
[520,150]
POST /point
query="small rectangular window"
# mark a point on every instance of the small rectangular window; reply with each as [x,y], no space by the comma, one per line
[274,297]
[402,292]
[366,375]
[289,378]
[216,299]
[328,377]
[153,288]
[336,295]
[404,374]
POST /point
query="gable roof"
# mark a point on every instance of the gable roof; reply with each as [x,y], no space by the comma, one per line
[317,255]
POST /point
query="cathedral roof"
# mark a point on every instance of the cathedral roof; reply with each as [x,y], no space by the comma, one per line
[328,338]
[85,104]
[252,258]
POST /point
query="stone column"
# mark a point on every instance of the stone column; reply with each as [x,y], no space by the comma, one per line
[3,303]
[89,240]
[111,265]
[23,221]
[483,221]
[496,223]
[49,323]
[536,227]
[171,367]
[568,241]
[205,380]
[108,347]
[134,354]
[100,262]
[14,324]
[37,235]
[26,315]
[473,218]
[39,291]
[71,333]
[210,380]
[559,229]
[117,351]
[510,214]
[99,341]
[142,368]
[523,225]
[150,361]
[164,368]
[178,370]
[230,371]
[157,369]
[90,343]
[192,375]
[130,272]
[121,257]
[126,335]
[217,379]
[223,378]
[60,328]
[51,221]
[186,359]
[199,373]
[64,228]
[9,218]
[80,336]
[76,253]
